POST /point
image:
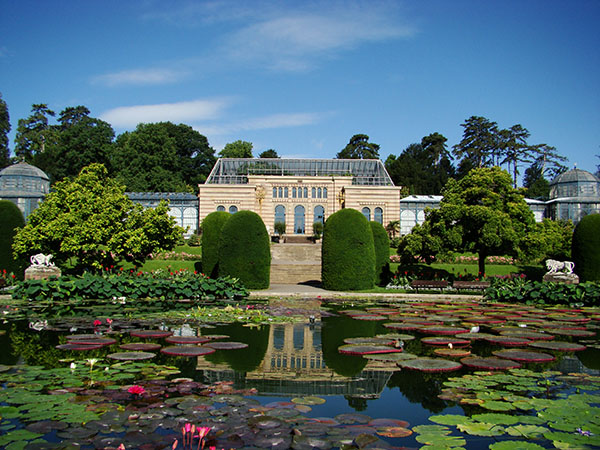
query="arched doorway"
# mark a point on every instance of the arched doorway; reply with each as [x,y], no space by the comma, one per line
[299,219]
[319,214]
[280,214]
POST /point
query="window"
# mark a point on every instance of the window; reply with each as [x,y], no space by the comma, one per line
[314,192]
[305,192]
[319,192]
[319,214]
[274,192]
[220,208]
[367,213]
[324,192]
[285,192]
[293,192]
[378,215]
[280,214]
[299,219]
[233,209]
[299,192]
[280,192]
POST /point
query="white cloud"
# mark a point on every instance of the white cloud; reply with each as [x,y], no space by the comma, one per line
[130,116]
[141,77]
[262,123]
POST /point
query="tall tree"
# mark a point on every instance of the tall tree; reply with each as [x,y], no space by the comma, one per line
[479,143]
[79,140]
[269,154]
[359,147]
[4,130]
[34,133]
[536,184]
[514,148]
[435,144]
[549,160]
[237,149]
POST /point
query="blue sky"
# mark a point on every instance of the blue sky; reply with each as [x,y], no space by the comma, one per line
[302,77]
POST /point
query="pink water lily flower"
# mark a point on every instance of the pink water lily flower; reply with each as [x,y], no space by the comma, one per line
[136,389]
[97,323]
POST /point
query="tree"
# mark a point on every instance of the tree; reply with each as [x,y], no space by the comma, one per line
[11,219]
[359,147]
[435,145]
[162,157]
[34,132]
[514,148]
[393,228]
[481,213]
[237,149]
[89,223]
[4,130]
[269,154]
[548,239]
[537,186]
[549,161]
[79,140]
[479,143]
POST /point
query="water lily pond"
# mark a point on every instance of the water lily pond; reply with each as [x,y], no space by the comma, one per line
[302,375]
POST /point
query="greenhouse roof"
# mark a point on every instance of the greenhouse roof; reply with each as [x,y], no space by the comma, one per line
[367,172]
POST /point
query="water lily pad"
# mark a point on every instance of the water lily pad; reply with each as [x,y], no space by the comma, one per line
[481,429]
[452,352]
[572,333]
[370,341]
[402,326]
[508,341]
[559,346]
[93,340]
[213,337]
[385,422]
[512,445]
[442,330]
[374,317]
[531,335]
[187,350]
[79,347]
[308,400]
[489,363]
[352,418]
[430,365]
[391,357]
[444,340]
[396,336]
[140,346]
[186,339]
[527,356]
[350,349]
[394,432]
[229,345]
[131,356]
[151,334]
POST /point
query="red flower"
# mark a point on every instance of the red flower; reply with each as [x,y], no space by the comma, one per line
[97,323]
[136,389]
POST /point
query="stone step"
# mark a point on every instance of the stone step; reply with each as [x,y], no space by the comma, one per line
[296,252]
[295,273]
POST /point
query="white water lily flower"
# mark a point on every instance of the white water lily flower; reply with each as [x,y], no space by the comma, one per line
[92,361]
[73,366]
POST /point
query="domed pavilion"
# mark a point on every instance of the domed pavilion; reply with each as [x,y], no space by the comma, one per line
[24,185]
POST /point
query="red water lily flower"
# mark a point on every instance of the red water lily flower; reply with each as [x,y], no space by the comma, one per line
[136,389]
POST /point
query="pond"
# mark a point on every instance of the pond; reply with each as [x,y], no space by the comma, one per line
[431,375]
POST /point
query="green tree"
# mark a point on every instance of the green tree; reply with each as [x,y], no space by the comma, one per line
[381,244]
[585,248]
[435,145]
[11,219]
[537,186]
[79,140]
[34,133]
[514,148]
[162,157]
[237,149]
[359,147]
[211,235]
[548,239]
[4,130]
[269,154]
[89,223]
[549,160]
[481,213]
[479,144]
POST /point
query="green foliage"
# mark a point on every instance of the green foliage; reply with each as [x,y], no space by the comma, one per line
[359,147]
[520,290]
[348,252]
[549,239]
[11,219]
[211,234]
[317,229]
[419,245]
[381,244]
[269,154]
[195,240]
[4,130]
[585,249]
[245,250]
[128,285]
[162,157]
[34,132]
[279,228]
[237,149]
[90,223]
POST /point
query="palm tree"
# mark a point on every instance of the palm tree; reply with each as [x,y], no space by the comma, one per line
[392,228]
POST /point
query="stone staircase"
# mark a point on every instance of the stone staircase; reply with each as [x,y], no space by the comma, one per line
[295,263]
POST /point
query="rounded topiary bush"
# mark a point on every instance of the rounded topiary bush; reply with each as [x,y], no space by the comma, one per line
[348,253]
[11,218]
[211,233]
[381,242]
[585,248]
[245,250]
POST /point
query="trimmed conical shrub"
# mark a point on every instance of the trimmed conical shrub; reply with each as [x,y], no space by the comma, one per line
[348,253]
[245,250]
[11,218]
[585,248]
[381,241]
[211,233]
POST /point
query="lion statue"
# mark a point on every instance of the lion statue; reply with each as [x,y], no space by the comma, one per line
[41,260]
[554,266]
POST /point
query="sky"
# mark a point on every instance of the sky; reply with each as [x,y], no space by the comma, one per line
[303,77]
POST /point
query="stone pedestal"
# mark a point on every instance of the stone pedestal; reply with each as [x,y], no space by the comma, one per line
[561,277]
[39,272]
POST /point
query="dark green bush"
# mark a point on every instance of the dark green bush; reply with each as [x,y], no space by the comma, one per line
[11,218]
[245,250]
[348,252]
[211,233]
[381,242]
[585,248]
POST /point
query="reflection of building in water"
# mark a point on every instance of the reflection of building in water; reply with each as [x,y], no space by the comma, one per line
[293,364]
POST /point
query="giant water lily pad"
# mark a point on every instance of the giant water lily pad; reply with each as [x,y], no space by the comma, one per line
[131,356]
[140,346]
[489,363]
[443,330]
[430,365]
[229,345]
[527,356]
[352,418]
[151,334]
[444,340]
[187,350]
[402,326]
[370,341]
[79,347]
[94,340]
[396,336]
[508,341]
[310,400]
[391,357]
[531,335]
[572,333]
[559,346]
[452,352]
[350,349]
[394,432]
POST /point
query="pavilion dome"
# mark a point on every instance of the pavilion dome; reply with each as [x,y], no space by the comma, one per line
[575,183]
[23,178]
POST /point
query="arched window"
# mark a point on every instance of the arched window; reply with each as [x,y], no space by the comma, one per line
[280,214]
[299,219]
[314,192]
[285,192]
[233,209]
[305,192]
[378,215]
[280,192]
[293,192]
[324,192]
[274,192]
[299,192]
[319,214]
[220,208]
[319,192]
[367,213]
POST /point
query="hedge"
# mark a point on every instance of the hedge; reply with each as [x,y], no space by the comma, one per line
[11,218]
[585,248]
[381,242]
[211,232]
